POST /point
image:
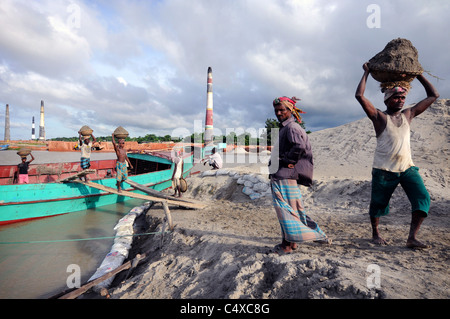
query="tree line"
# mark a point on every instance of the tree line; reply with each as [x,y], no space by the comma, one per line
[149,138]
[241,139]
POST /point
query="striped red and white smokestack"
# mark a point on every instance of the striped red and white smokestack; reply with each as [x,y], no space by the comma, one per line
[209,110]
[33,134]
[42,125]
[7,132]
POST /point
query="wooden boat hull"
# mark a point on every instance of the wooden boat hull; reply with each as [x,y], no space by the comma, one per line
[19,202]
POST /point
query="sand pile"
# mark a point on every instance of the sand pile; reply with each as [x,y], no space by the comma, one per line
[224,250]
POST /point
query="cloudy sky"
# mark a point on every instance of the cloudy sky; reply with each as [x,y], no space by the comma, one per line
[143,64]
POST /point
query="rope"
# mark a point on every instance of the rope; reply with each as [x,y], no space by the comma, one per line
[79,239]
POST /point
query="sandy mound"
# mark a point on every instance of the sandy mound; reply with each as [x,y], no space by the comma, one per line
[224,251]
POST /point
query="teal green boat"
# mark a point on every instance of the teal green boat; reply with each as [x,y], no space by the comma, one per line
[46,196]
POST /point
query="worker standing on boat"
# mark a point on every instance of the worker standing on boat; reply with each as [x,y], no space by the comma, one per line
[85,147]
[23,169]
[177,173]
[121,164]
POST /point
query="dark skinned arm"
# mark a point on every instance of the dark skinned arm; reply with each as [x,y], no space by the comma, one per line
[114,141]
[32,158]
[432,95]
[376,116]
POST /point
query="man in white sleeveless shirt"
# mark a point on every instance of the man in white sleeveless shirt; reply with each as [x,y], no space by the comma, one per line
[177,173]
[392,163]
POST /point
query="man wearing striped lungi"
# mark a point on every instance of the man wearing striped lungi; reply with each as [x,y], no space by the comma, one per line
[292,164]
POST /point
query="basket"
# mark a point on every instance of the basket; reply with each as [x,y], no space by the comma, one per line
[121,133]
[183,185]
[389,76]
[389,85]
[23,152]
[85,131]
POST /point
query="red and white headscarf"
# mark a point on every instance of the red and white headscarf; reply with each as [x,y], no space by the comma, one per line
[388,93]
[289,103]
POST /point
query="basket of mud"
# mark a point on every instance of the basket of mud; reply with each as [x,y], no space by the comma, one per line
[121,133]
[86,131]
[397,64]
[24,152]
[183,185]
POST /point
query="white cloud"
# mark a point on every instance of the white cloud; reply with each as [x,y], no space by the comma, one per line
[35,84]
[143,64]
[122,80]
[33,41]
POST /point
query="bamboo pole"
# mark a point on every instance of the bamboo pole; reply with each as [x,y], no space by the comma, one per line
[128,265]
[168,215]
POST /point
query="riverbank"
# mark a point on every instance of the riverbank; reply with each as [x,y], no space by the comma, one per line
[225,250]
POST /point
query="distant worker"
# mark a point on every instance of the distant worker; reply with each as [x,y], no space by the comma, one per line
[393,163]
[122,160]
[85,145]
[177,173]
[22,169]
[97,146]
[214,160]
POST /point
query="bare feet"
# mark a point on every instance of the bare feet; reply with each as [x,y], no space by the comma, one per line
[281,250]
[285,248]
[378,240]
[415,244]
[416,220]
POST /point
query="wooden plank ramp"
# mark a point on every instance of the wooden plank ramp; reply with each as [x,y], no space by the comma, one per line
[172,201]
[156,193]
[147,190]
[78,175]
